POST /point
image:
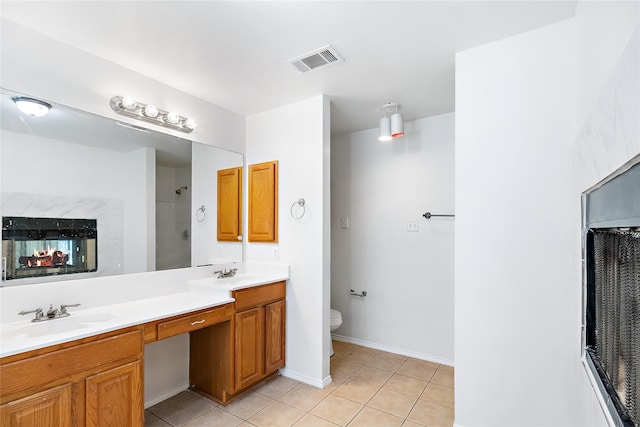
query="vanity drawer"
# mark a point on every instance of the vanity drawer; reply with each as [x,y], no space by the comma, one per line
[194,321]
[259,295]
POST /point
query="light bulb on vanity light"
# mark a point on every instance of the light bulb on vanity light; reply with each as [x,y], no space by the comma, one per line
[129,103]
[190,123]
[173,118]
[150,111]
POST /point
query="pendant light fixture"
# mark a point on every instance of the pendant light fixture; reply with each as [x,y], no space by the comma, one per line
[392,124]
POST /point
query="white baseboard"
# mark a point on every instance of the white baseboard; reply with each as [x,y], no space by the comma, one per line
[286,372]
[164,396]
[389,349]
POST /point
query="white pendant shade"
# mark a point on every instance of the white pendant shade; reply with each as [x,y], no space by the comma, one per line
[397,125]
[385,129]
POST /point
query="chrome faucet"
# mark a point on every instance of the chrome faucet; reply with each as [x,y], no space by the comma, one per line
[221,274]
[52,313]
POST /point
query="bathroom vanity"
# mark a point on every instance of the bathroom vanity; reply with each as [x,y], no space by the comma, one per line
[87,369]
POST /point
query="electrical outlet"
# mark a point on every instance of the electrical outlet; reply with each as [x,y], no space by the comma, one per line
[412,225]
[276,253]
[344,223]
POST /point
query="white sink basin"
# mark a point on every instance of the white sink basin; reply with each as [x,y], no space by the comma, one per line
[74,322]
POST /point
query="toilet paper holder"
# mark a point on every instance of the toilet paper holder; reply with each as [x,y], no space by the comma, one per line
[355,294]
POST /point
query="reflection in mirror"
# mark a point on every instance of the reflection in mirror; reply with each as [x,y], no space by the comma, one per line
[143,188]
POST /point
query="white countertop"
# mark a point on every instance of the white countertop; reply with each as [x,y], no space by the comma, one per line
[24,335]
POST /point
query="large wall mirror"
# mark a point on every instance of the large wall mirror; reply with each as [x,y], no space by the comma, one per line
[151,196]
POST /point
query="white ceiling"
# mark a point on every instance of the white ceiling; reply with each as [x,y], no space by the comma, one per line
[233,53]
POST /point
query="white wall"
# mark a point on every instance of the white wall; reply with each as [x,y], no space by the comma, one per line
[37,65]
[139,225]
[519,175]
[408,276]
[297,135]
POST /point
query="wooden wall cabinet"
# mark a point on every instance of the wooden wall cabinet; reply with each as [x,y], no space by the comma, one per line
[263,202]
[230,205]
[95,381]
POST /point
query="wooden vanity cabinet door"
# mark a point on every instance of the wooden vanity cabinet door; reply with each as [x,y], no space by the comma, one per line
[114,397]
[263,202]
[249,357]
[274,336]
[50,407]
[230,205]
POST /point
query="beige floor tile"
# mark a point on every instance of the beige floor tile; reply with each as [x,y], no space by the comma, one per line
[385,363]
[337,409]
[340,348]
[357,356]
[277,387]
[373,376]
[393,403]
[372,417]
[182,408]
[393,355]
[303,397]
[416,370]
[447,368]
[408,423]
[248,405]
[424,362]
[151,420]
[430,414]
[406,385]
[443,377]
[310,420]
[438,394]
[336,380]
[276,414]
[215,418]
[356,390]
[344,367]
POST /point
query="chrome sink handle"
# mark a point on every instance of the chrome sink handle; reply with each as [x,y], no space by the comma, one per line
[37,311]
[63,308]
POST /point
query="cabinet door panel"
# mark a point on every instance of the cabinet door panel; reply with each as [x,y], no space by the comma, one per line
[114,397]
[249,346]
[275,336]
[48,408]
[263,202]
[230,204]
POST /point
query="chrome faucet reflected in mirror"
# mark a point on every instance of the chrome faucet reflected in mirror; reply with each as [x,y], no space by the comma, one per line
[52,313]
[221,274]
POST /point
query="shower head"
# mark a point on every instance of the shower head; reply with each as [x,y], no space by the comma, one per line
[179,190]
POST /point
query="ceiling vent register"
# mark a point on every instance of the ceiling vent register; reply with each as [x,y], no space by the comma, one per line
[318,58]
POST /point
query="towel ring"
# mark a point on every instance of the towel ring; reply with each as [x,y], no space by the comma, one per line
[301,203]
[201,214]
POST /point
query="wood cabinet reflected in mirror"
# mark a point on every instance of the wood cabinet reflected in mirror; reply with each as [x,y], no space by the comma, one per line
[230,205]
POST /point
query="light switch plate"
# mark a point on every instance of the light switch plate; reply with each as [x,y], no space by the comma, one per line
[344,223]
[412,225]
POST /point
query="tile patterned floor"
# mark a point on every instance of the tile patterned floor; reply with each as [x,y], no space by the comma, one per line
[370,388]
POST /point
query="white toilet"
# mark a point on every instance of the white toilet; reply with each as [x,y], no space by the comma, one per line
[336,321]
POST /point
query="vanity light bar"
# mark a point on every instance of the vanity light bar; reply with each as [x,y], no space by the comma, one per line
[150,113]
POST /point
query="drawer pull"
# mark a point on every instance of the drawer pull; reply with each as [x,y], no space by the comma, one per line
[197,322]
